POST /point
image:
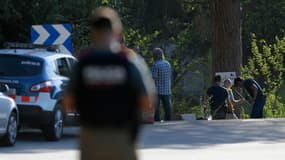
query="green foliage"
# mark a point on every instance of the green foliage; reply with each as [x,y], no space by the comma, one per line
[265,18]
[184,107]
[183,101]
[273,107]
[205,106]
[266,64]
[105,1]
[281,93]
[134,37]
[80,36]
[191,56]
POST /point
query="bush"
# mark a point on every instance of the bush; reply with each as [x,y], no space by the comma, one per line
[273,107]
[266,66]
[187,106]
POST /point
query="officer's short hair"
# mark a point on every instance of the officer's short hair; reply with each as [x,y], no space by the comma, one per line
[105,18]
[237,80]
[217,78]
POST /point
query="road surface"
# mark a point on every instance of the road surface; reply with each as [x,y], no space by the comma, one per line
[181,140]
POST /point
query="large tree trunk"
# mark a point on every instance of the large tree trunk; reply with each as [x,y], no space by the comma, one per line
[227,46]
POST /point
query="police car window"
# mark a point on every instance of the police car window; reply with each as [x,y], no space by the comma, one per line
[72,62]
[19,66]
[62,67]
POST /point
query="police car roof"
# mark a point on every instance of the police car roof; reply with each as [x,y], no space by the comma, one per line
[43,53]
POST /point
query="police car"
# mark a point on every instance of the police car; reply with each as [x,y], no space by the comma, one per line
[36,78]
[9,119]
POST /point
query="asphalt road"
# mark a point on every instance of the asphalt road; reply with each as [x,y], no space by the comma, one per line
[31,145]
[215,140]
[183,140]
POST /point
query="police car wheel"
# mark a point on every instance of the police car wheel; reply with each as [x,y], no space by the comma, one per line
[10,138]
[54,130]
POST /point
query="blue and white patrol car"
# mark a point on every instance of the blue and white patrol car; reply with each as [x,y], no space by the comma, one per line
[36,78]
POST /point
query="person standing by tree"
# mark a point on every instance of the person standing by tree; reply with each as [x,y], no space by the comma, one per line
[255,92]
[161,73]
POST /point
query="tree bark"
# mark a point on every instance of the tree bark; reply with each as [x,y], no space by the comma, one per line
[227,44]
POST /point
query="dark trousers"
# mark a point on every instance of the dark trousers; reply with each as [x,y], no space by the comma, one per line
[257,109]
[106,144]
[166,106]
[218,112]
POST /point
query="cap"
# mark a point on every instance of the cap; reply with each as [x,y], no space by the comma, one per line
[107,13]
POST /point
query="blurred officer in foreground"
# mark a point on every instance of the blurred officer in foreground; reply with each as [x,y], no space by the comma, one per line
[109,87]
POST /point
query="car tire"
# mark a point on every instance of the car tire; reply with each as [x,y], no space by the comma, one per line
[54,130]
[12,130]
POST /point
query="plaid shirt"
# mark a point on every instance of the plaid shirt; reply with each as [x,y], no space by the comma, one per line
[161,72]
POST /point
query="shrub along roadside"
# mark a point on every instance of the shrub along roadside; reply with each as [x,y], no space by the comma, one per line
[266,66]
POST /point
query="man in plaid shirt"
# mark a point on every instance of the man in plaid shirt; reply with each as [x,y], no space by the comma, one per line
[161,73]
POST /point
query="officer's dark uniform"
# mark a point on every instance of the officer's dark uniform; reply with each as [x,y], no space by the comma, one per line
[107,87]
[217,102]
[259,102]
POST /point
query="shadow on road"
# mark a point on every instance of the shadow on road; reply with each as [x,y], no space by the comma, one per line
[32,141]
[202,134]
